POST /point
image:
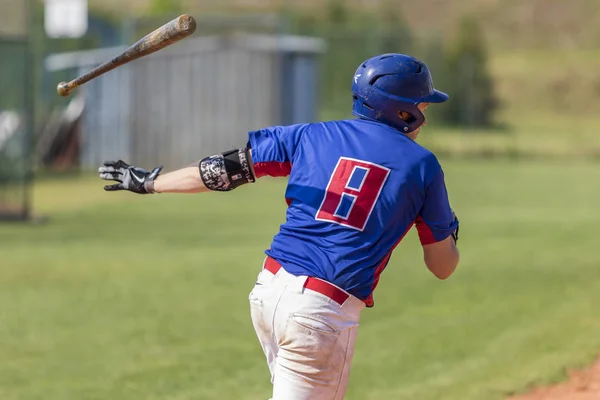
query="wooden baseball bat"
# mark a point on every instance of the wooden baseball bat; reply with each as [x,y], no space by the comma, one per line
[168,34]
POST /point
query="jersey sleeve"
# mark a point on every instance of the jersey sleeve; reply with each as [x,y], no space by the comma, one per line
[436,220]
[274,149]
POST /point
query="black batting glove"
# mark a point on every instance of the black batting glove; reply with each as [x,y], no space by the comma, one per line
[134,179]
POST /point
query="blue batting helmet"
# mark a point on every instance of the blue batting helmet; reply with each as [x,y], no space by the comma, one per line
[385,85]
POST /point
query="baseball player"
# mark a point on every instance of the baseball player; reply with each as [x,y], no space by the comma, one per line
[355,188]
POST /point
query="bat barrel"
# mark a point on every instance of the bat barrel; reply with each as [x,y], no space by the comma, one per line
[187,24]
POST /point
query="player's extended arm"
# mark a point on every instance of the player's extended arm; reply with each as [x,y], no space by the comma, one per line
[438,226]
[184,180]
[441,258]
[221,172]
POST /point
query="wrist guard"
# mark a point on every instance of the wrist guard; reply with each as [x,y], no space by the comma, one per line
[455,233]
[226,171]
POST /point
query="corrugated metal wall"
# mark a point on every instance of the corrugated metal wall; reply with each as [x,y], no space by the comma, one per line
[193,99]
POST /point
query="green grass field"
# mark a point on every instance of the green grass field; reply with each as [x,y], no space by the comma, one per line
[129,297]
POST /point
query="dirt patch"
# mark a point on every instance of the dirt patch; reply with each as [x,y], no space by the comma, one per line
[581,385]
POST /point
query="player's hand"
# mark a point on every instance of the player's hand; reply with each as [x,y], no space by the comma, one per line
[134,179]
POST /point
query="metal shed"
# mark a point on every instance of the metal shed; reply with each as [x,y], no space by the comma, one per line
[195,98]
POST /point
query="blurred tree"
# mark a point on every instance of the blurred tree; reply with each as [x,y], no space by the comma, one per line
[304,23]
[353,37]
[433,54]
[396,36]
[164,7]
[337,13]
[468,80]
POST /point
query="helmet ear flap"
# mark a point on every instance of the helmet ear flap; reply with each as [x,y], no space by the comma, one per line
[410,119]
[407,120]
[415,119]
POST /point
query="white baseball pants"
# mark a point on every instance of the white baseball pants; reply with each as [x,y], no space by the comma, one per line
[308,338]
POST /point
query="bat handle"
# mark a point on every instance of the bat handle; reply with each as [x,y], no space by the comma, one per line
[64,89]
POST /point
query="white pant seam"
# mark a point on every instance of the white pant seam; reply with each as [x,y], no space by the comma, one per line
[337,389]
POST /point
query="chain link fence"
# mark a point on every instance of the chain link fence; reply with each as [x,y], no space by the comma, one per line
[15,111]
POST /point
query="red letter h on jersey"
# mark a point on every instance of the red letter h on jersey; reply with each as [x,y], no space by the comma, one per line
[352,192]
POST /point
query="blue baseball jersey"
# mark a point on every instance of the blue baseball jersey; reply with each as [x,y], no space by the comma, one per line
[355,188]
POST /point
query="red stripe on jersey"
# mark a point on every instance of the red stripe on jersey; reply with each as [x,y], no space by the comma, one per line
[369,301]
[272,168]
[425,233]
